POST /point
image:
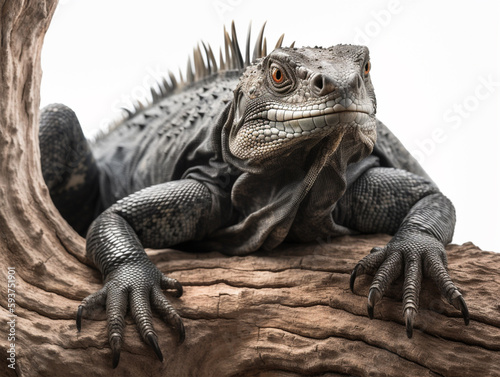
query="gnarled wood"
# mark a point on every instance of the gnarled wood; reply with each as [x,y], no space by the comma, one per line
[287,313]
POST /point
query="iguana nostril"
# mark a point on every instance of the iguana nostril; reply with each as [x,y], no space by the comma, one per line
[355,81]
[322,85]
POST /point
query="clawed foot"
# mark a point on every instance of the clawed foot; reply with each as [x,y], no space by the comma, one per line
[139,286]
[417,254]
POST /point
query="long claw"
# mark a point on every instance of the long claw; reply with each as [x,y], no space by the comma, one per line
[116,308]
[176,322]
[411,293]
[116,358]
[79,314]
[354,273]
[169,283]
[90,304]
[460,304]
[438,273]
[182,332]
[374,296]
[161,305]
[179,289]
[410,315]
[369,264]
[116,346]
[153,342]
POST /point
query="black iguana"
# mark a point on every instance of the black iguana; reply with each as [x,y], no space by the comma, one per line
[243,156]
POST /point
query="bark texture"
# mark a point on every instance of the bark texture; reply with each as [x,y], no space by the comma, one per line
[288,313]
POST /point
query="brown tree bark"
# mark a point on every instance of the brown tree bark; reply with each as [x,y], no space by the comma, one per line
[288,313]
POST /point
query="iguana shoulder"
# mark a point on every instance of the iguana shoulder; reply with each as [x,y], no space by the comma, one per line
[392,152]
[163,142]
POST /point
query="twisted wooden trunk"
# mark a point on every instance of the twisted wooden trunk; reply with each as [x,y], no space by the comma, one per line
[287,313]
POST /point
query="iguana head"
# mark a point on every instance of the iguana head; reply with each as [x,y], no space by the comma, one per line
[295,97]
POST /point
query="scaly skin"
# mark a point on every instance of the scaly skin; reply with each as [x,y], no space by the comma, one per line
[311,100]
[126,228]
[290,154]
[422,220]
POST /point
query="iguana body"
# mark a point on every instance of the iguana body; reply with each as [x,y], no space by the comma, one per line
[245,159]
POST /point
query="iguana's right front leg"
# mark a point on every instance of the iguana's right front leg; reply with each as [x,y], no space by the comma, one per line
[157,217]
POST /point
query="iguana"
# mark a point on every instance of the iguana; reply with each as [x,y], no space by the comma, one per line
[243,156]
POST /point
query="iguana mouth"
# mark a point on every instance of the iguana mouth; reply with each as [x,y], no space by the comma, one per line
[288,122]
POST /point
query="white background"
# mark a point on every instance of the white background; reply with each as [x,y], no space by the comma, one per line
[435,68]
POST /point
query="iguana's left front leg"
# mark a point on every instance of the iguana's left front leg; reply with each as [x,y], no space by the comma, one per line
[422,219]
[158,216]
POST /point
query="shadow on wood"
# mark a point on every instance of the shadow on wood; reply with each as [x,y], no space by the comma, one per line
[285,313]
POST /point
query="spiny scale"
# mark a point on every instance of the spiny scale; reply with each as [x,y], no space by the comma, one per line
[257,50]
[206,65]
[280,41]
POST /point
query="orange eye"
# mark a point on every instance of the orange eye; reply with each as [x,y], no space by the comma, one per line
[278,76]
[368,66]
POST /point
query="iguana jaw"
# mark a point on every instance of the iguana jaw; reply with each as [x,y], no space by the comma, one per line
[295,121]
[281,126]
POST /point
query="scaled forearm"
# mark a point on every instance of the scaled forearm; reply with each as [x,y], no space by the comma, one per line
[159,216]
[111,242]
[384,200]
[433,215]
[422,220]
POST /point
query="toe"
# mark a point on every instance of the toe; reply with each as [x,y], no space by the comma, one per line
[374,296]
[411,292]
[140,309]
[169,283]
[368,265]
[153,342]
[167,312]
[115,342]
[459,303]
[409,315]
[386,274]
[435,268]
[116,308]
[94,302]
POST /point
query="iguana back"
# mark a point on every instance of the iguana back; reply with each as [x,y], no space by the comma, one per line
[163,142]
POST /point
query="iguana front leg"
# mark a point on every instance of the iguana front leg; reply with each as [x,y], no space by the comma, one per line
[422,220]
[158,216]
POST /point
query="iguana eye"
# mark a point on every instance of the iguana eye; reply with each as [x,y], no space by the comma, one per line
[277,75]
[280,78]
[368,66]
